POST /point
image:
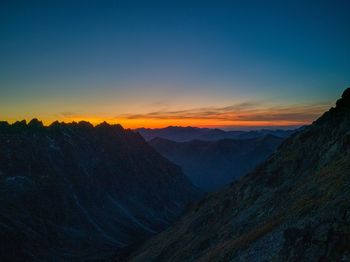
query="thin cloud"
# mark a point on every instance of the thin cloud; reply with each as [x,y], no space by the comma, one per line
[248,111]
[67,114]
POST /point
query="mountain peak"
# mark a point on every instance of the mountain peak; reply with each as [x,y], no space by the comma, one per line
[35,123]
[344,101]
[346,94]
[106,125]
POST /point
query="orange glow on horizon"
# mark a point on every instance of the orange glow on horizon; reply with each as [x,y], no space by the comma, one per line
[241,116]
[208,123]
[161,123]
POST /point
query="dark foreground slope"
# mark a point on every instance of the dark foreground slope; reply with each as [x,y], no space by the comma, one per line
[294,207]
[213,164]
[78,192]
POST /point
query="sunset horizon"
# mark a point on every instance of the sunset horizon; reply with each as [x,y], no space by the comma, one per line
[175,130]
[247,115]
[229,65]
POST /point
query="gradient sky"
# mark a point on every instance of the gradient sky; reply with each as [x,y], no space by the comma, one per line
[157,63]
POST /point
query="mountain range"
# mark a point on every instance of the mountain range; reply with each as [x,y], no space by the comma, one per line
[293,207]
[212,164]
[184,134]
[74,192]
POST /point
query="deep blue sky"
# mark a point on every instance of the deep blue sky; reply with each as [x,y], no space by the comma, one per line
[103,59]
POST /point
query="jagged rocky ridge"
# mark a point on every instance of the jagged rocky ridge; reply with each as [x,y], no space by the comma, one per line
[293,207]
[213,164]
[74,192]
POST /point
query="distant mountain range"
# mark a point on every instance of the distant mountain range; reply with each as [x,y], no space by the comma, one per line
[74,192]
[293,207]
[184,134]
[213,164]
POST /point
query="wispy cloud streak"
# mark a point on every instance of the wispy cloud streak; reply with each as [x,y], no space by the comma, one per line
[248,111]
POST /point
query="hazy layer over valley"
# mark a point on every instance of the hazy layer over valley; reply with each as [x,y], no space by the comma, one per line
[211,165]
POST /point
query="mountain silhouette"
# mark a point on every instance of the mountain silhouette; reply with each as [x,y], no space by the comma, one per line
[73,192]
[185,134]
[293,207]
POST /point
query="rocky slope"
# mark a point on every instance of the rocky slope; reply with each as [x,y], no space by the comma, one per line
[213,164]
[293,207]
[73,192]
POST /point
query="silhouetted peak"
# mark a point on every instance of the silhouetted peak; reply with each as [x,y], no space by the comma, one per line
[104,124]
[109,129]
[4,126]
[20,124]
[85,124]
[35,123]
[346,94]
[344,102]
[338,113]
[55,124]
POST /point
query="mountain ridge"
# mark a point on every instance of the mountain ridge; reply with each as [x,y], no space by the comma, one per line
[185,134]
[78,192]
[292,207]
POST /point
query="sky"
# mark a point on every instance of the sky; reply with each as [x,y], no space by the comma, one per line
[227,64]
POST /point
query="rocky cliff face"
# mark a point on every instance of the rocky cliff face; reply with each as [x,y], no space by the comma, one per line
[293,207]
[78,192]
[213,164]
